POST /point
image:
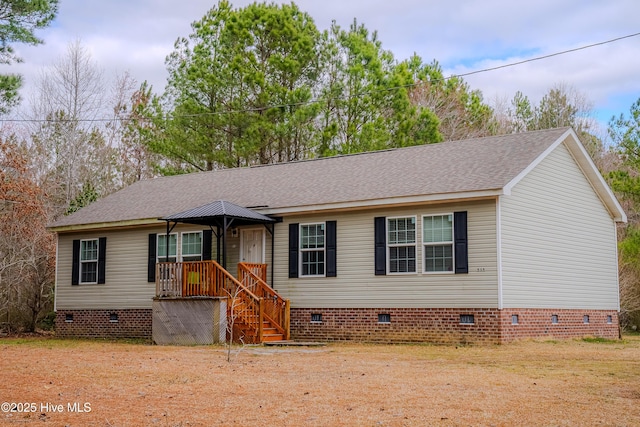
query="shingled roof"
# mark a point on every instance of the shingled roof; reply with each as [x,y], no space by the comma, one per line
[443,171]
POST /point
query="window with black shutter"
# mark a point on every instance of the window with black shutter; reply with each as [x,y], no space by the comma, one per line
[313,249]
[89,261]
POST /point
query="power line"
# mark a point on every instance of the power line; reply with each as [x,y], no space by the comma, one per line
[314,101]
[538,58]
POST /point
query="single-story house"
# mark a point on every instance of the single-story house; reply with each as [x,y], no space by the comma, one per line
[485,240]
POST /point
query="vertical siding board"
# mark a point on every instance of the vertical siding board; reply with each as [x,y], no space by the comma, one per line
[558,240]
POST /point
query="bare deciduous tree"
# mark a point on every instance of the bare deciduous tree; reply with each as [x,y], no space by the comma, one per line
[235,309]
[27,249]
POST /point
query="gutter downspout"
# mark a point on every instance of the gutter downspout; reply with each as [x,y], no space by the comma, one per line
[499,250]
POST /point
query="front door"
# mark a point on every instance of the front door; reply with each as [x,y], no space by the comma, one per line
[252,249]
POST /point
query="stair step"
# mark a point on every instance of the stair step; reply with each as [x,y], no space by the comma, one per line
[272,337]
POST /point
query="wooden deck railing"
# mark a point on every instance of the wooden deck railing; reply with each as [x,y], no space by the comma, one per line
[251,300]
[259,270]
[276,308]
[186,279]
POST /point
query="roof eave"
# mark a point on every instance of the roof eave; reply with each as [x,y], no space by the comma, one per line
[385,202]
[340,206]
[103,225]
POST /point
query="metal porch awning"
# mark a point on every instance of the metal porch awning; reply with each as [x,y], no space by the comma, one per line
[221,214]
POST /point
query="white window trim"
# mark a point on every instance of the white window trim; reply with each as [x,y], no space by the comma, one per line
[96,261]
[424,244]
[162,258]
[415,245]
[179,240]
[301,250]
[180,255]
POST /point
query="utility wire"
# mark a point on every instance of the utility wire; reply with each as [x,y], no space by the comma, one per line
[315,101]
[538,58]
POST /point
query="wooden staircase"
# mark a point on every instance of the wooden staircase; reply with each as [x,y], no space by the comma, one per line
[255,312]
[245,331]
[270,322]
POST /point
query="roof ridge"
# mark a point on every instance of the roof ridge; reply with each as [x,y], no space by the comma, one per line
[451,167]
[363,153]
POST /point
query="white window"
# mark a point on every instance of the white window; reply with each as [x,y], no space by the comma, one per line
[162,248]
[437,238]
[312,249]
[192,246]
[401,244]
[89,261]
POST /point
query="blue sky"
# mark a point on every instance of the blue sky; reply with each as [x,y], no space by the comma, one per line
[463,36]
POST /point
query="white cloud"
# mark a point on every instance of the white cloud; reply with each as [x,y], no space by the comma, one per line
[463,36]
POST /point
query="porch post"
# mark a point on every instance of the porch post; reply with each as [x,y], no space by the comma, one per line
[218,254]
[166,244]
[224,242]
[273,230]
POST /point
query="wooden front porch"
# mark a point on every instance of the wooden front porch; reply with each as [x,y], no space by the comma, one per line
[255,312]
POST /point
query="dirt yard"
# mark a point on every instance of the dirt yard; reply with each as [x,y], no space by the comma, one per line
[93,383]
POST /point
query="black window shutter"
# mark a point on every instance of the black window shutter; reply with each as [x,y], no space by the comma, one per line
[151,267]
[331,249]
[75,264]
[460,242]
[207,237]
[380,232]
[102,257]
[293,250]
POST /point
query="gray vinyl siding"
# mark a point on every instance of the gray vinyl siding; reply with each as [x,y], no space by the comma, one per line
[558,240]
[357,286]
[126,270]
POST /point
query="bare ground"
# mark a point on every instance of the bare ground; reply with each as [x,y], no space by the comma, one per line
[570,383]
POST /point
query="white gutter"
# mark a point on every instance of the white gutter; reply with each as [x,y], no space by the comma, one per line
[102,225]
[391,201]
[351,205]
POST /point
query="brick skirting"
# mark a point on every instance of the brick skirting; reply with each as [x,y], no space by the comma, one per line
[537,323]
[130,323]
[434,325]
[447,325]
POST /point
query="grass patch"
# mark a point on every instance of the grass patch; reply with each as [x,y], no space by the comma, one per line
[598,340]
[52,342]
[128,382]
